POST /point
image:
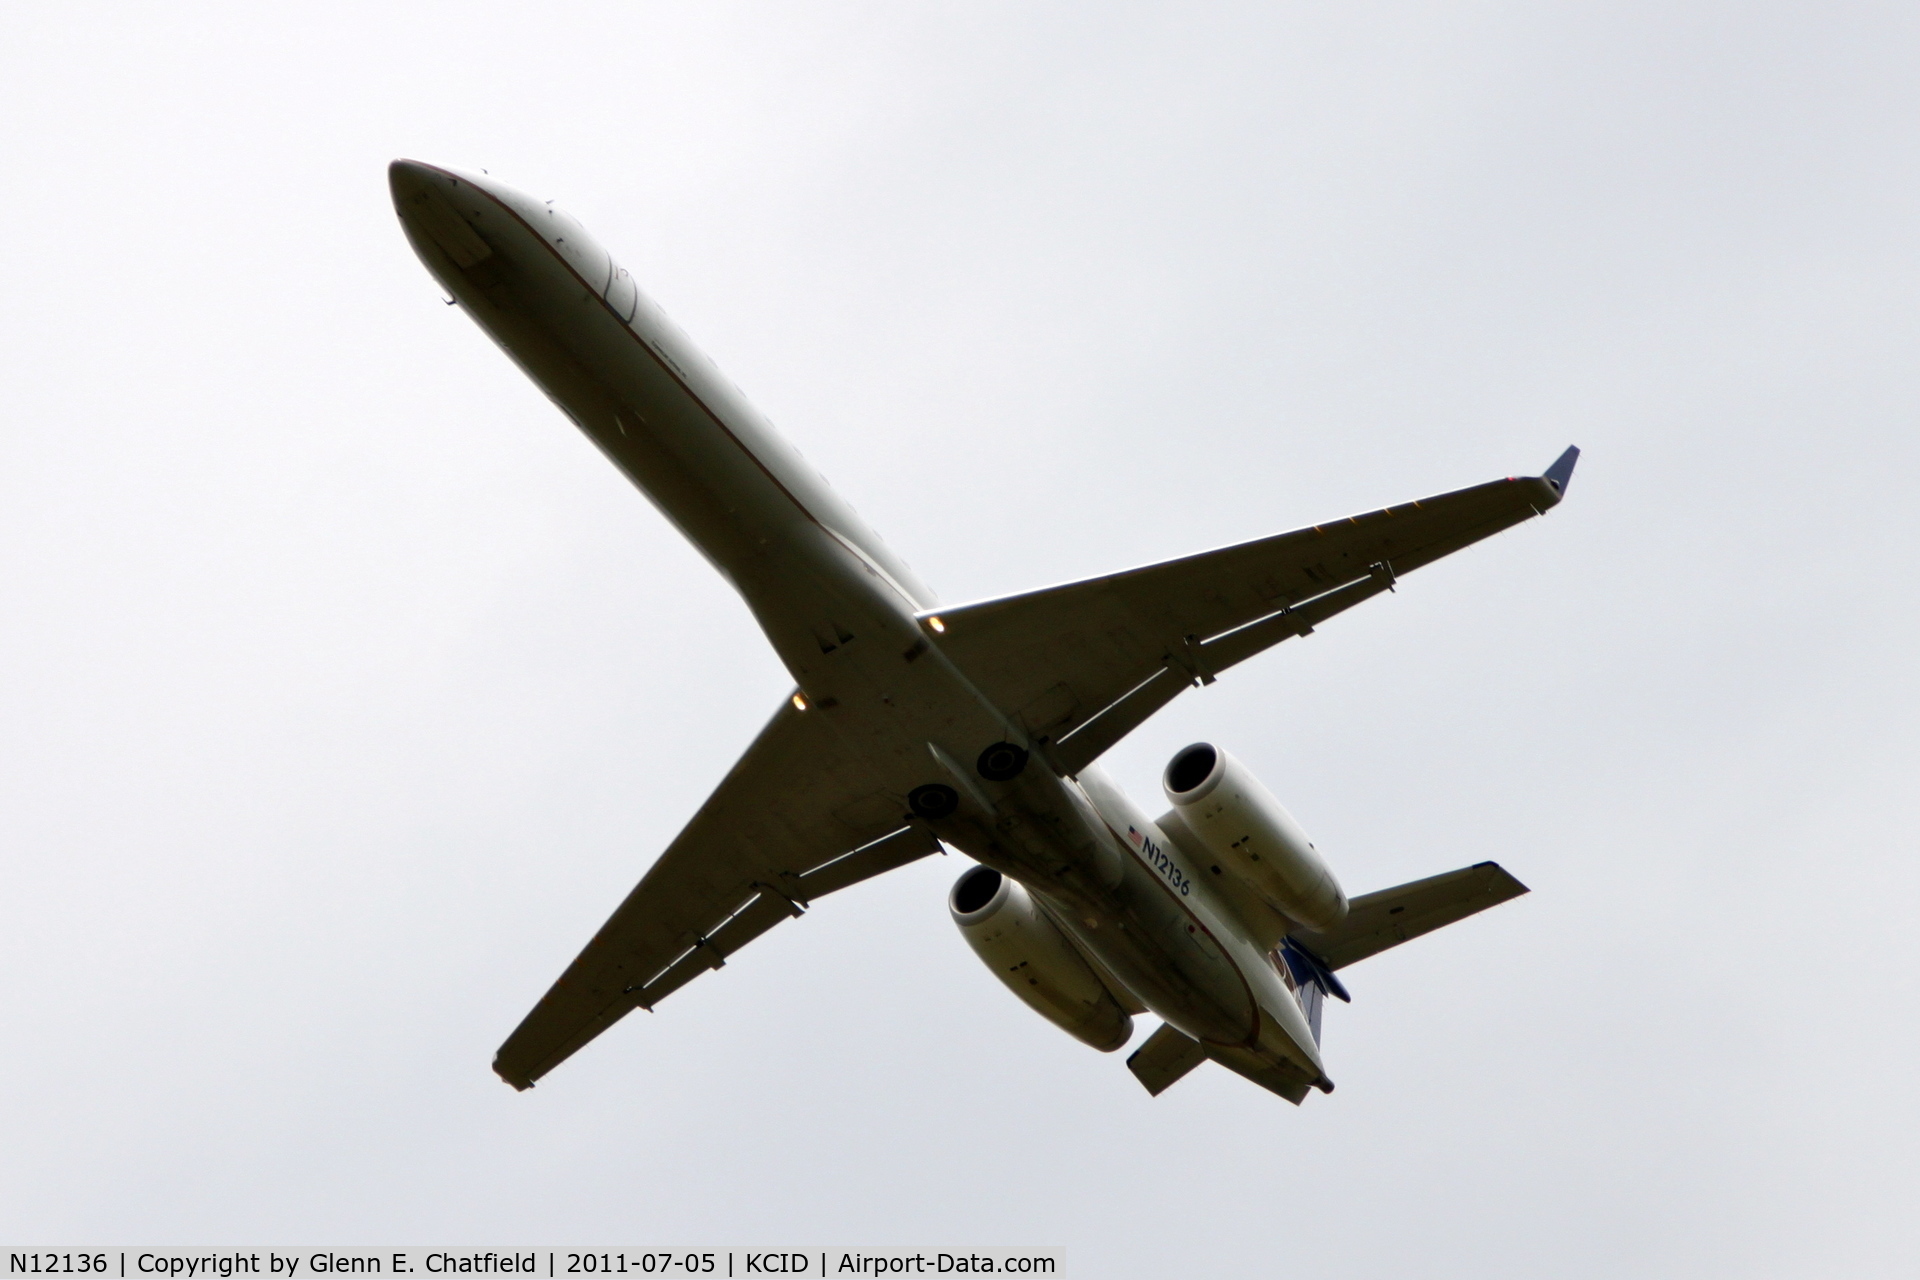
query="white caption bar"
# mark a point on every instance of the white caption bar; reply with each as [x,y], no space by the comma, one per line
[212,1263]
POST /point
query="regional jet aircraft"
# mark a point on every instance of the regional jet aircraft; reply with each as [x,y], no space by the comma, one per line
[914,725]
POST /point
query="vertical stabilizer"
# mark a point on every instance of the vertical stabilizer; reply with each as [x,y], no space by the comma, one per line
[1312,982]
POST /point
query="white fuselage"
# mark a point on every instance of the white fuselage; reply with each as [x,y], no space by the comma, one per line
[849,619]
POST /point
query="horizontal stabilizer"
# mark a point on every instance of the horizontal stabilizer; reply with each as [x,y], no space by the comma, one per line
[1168,1054]
[1377,921]
[1275,1076]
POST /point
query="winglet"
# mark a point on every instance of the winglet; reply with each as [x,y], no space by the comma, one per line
[1561,471]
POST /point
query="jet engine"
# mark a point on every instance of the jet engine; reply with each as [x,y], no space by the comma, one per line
[1256,840]
[1026,950]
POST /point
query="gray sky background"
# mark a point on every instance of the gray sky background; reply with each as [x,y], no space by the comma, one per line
[346,688]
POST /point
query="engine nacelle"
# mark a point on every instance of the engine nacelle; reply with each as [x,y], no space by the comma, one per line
[1239,822]
[1026,950]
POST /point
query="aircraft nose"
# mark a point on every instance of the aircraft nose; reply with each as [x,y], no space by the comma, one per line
[420,197]
[408,178]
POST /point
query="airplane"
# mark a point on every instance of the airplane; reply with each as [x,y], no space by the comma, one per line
[915,725]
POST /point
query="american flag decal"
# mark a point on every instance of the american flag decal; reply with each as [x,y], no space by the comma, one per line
[1133,835]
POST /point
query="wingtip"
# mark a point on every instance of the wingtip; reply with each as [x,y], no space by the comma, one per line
[1560,474]
[1512,881]
[520,1084]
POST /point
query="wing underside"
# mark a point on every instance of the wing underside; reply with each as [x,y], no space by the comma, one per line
[1082,665]
[796,819]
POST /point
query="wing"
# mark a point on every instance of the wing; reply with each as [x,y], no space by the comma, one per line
[797,818]
[1084,664]
[1377,921]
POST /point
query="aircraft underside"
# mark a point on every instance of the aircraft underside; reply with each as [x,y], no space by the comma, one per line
[975,726]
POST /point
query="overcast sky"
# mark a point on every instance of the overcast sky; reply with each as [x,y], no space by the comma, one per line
[344,688]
